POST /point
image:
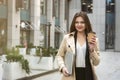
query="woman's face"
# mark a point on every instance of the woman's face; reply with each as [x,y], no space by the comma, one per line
[80,24]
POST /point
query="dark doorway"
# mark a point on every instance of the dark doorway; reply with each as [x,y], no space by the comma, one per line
[110,24]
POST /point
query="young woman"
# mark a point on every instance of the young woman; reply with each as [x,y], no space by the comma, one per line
[87,55]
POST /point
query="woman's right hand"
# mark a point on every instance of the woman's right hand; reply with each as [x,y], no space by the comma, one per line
[65,71]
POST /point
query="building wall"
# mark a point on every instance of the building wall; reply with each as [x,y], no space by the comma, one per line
[117,28]
[97,18]
[74,6]
[98,21]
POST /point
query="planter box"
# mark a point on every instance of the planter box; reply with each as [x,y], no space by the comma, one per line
[56,64]
[33,51]
[1,71]
[46,63]
[22,51]
[13,71]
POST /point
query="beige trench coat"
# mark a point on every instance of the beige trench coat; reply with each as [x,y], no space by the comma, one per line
[67,41]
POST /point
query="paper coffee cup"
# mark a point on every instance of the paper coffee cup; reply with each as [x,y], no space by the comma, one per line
[90,35]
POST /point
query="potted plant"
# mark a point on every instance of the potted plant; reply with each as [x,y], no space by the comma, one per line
[31,49]
[53,52]
[22,49]
[34,59]
[16,66]
[47,57]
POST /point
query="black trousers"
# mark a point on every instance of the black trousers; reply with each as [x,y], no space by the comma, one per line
[80,73]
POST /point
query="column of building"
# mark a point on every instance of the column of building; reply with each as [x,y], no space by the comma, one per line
[50,23]
[35,22]
[13,24]
[62,18]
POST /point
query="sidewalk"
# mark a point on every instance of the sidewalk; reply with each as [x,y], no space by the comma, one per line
[38,73]
[108,69]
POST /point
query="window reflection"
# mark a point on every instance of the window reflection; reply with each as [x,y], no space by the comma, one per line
[3,2]
[43,7]
[25,33]
[3,35]
[87,6]
[110,24]
[57,38]
[56,8]
[43,30]
[110,6]
[23,4]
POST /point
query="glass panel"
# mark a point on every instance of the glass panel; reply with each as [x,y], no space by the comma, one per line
[25,15]
[43,7]
[87,6]
[57,38]
[3,2]
[110,24]
[56,8]
[3,35]
[24,33]
[110,6]
[43,30]
[26,4]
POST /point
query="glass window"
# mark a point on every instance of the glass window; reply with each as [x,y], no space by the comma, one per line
[66,9]
[56,4]
[43,7]
[25,33]
[26,4]
[3,35]
[110,6]
[57,39]
[23,4]
[3,2]
[43,30]
[87,6]
[110,24]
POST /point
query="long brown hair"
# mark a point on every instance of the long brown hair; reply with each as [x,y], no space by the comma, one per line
[85,18]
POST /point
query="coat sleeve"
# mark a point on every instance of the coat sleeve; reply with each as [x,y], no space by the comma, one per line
[61,53]
[95,55]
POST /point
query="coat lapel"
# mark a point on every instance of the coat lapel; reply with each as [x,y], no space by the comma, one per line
[71,42]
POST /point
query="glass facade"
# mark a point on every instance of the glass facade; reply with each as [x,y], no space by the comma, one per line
[3,25]
[3,2]
[87,6]
[110,24]
[25,33]
[3,35]
[56,8]
[43,35]
[43,24]
[57,39]
[43,7]
[26,4]
[25,26]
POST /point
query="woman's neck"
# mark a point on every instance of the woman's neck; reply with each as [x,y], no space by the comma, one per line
[81,34]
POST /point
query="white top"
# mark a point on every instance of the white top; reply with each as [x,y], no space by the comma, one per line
[81,53]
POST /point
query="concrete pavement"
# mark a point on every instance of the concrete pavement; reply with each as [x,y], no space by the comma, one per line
[108,69]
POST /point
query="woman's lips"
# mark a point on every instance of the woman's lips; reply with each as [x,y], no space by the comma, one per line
[79,27]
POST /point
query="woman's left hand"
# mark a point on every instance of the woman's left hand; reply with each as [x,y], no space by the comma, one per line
[92,44]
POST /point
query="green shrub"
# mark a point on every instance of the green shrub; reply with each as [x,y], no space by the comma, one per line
[14,56]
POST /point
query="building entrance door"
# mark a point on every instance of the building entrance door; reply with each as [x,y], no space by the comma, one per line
[110,24]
